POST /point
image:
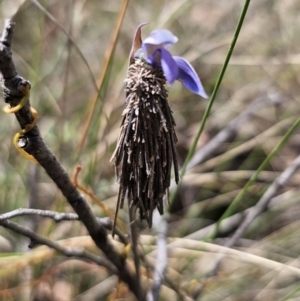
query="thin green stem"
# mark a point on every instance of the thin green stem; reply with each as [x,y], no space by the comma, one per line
[229,211]
[212,98]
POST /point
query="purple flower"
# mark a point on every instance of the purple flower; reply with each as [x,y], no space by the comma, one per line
[154,51]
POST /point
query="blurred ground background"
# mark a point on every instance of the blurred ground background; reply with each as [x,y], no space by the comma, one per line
[263,77]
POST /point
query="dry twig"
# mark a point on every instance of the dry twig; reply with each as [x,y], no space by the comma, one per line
[36,147]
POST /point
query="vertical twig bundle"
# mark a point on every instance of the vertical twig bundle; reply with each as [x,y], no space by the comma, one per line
[146,148]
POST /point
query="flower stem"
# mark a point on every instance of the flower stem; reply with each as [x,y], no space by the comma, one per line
[212,98]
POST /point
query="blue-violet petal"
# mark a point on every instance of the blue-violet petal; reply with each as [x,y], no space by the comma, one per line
[168,65]
[157,39]
[161,36]
[188,76]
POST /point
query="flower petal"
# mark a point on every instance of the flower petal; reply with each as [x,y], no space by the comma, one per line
[168,65]
[161,36]
[188,76]
[157,39]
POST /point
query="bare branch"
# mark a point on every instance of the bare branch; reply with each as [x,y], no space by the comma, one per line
[67,251]
[106,222]
[7,68]
[56,216]
[38,149]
